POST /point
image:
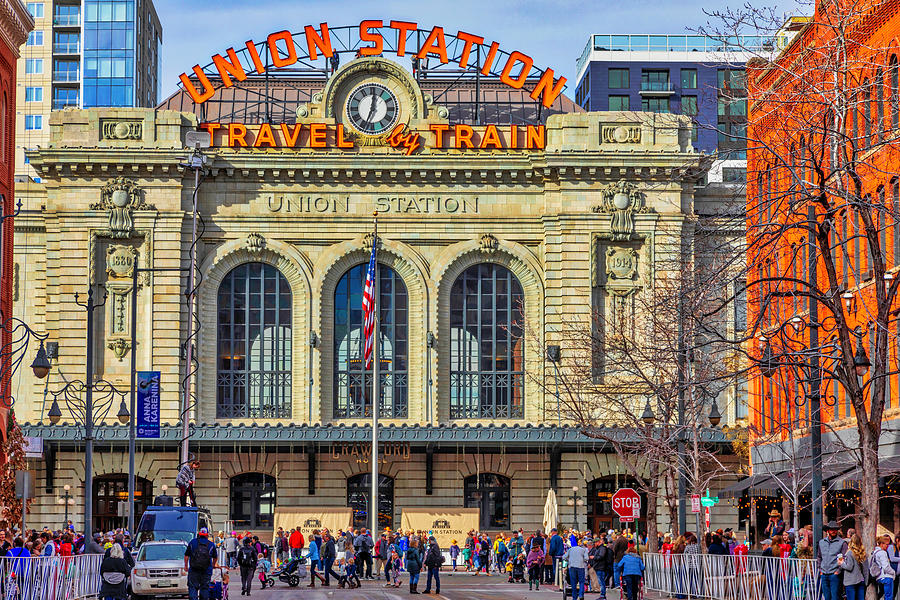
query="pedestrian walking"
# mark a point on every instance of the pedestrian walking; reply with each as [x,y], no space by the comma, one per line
[830,547]
[413,565]
[231,549]
[247,560]
[200,557]
[363,545]
[852,565]
[114,572]
[535,564]
[600,558]
[433,561]
[314,557]
[880,569]
[632,569]
[454,554]
[328,555]
[577,558]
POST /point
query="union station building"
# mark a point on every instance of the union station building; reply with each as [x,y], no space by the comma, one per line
[499,220]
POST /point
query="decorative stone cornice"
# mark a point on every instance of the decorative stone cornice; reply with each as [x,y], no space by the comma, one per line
[15,23]
[291,434]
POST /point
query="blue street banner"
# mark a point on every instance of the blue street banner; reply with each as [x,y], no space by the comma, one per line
[147,404]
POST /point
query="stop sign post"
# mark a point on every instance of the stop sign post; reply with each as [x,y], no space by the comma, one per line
[627,504]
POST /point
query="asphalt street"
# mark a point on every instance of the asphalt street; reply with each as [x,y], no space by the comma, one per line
[457,586]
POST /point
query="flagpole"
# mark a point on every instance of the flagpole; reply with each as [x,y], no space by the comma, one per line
[376,396]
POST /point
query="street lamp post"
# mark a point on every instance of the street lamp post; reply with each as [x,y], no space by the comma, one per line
[66,500]
[575,501]
[83,411]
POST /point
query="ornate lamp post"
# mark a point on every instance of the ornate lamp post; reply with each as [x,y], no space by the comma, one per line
[84,409]
[66,500]
[575,501]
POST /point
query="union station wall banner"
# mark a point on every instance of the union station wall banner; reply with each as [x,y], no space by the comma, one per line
[506,212]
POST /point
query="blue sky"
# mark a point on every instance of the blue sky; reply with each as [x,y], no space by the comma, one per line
[552,32]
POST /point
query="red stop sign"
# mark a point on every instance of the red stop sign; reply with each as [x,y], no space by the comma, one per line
[626,503]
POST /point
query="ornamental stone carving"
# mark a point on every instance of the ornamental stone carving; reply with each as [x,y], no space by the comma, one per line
[120,261]
[255,243]
[622,200]
[621,263]
[620,134]
[116,129]
[370,239]
[489,243]
[120,198]
[119,347]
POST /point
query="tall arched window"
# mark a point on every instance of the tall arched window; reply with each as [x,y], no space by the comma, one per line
[490,493]
[253,500]
[487,356]
[254,344]
[895,92]
[352,382]
[359,493]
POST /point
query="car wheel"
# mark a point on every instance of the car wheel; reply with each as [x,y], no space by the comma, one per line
[294,581]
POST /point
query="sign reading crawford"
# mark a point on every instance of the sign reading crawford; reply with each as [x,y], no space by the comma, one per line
[282,48]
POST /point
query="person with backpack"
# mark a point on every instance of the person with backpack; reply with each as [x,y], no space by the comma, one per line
[247,559]
[200,558]
[433,561]
[830,547]
[502,552]
[880,568]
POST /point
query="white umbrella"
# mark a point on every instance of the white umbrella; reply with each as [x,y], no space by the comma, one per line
[551,511]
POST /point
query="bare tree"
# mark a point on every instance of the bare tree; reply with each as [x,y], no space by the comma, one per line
[824,213]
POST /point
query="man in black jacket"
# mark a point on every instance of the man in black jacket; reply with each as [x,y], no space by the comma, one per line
[600,564]
[433,561]
[328,554]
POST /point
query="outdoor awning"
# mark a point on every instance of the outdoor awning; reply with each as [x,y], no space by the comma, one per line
[852,479]
[736,489]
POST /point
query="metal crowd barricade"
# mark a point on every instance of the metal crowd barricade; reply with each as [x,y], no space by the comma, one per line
[50,577]
[713,577]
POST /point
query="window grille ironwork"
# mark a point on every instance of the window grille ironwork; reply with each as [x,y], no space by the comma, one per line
[352,382]
[254,344]
[487,357]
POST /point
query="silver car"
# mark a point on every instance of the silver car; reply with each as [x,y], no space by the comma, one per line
[158,570]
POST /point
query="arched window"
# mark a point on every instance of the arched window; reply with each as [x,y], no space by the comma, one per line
[600,515]
[253,500]
[359,493]
[254,344]
[110,491]
[352,381]
[487,356]
[490,493]
[895,92]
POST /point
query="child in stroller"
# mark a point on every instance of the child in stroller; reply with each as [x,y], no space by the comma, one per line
[291,572]
[518,569]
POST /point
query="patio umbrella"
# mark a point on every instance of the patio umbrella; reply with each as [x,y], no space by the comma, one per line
[551,511]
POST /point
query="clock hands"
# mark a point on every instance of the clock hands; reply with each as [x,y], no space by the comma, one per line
[372,107]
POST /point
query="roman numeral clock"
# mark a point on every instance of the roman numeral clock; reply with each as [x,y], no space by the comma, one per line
[371,97]
[372,109]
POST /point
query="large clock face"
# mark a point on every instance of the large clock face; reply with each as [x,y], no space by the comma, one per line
[372,108]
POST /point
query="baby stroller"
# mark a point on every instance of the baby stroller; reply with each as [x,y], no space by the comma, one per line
[290,572]
[518,571]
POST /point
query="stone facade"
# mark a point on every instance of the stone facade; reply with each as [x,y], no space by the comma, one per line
[106,203]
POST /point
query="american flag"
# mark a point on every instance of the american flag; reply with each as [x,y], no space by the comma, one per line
[368,306]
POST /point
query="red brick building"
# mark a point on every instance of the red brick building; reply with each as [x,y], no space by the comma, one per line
[15,24]
[823,215]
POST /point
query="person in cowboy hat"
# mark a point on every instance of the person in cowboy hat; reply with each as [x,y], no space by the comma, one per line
[830,547]
[776,525]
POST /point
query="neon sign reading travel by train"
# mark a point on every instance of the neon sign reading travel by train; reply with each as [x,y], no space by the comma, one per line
[282,48]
